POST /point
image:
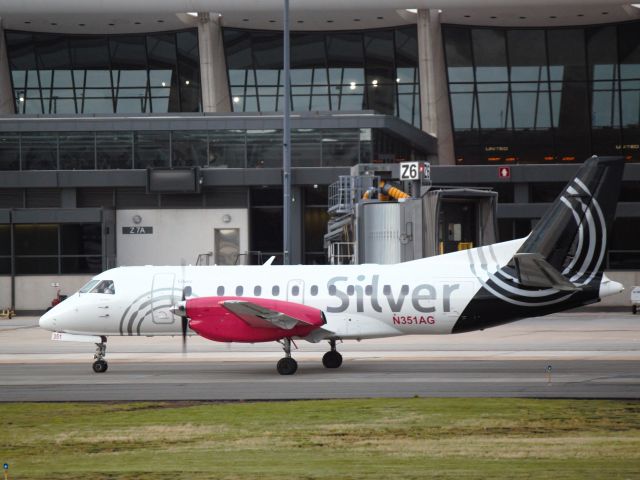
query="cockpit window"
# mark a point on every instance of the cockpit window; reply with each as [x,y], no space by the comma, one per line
[105,286]
[88,286]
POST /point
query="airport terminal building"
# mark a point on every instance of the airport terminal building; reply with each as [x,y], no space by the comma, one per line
[144,133]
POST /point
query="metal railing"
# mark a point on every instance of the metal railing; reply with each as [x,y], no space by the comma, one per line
[345,193]
[342,253]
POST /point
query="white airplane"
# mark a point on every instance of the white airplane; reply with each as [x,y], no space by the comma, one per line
[557,267]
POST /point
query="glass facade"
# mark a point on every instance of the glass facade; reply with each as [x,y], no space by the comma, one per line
[207,149]
[544,95]
[72,74]
[362,70]
[52,248]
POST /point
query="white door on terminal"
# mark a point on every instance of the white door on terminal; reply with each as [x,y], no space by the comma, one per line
[226,246]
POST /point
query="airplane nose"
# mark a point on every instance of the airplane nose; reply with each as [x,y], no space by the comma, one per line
[48,320]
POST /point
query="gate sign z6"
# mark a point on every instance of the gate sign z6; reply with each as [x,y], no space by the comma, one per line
[410,171]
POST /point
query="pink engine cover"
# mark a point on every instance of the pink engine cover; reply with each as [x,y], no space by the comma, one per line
[209,319]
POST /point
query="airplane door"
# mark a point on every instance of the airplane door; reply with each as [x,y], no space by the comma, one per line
[295,291]
[162,298]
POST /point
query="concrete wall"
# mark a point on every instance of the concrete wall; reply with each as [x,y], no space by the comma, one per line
[178,235]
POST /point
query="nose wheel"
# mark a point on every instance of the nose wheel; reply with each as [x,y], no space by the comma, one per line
[332,359]
[100,365]
[287,365]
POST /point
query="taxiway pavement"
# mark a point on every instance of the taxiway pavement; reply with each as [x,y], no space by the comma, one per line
[591,354]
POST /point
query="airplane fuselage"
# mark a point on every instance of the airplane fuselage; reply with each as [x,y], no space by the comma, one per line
[424,296]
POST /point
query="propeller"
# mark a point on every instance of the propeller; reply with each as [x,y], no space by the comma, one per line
[182,311]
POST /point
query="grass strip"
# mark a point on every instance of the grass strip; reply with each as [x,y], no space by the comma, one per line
[347,439]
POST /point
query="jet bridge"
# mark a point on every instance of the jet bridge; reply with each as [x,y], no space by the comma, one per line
[375,217]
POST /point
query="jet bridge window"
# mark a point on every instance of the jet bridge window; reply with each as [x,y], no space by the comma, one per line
[105,286]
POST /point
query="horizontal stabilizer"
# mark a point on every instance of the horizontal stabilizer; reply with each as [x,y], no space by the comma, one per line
[534,271]
[260,317]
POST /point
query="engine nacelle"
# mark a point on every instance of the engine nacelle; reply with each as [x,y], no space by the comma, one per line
[210,319]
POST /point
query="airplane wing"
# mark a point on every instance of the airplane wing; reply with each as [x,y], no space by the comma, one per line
[260,317]
[534,271]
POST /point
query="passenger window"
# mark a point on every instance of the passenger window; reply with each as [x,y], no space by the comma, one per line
[105,286]
[314,290]
[257,291]
[220,291]
[239,291]
[295,290]
[275,291]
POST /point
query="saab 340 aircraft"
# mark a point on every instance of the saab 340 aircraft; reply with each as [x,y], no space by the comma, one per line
[557,267]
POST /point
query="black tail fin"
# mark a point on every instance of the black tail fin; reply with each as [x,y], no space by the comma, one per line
[572,236]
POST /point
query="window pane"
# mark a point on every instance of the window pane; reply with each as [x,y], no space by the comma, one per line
[629,42]
[264,148]
[189,149]
[151,149]
[9,151]
[81,264]
[567,54]
[527,55]
[227,149]
[39,239]
[5,240]
[81,239]
[76,151]
[36,265]
[39,151]
[489,51]
[114,149]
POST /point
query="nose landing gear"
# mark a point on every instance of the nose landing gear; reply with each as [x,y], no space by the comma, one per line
[287,365]
[100,365]
[332,359]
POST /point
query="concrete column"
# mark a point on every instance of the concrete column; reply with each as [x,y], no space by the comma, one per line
[434,93]
[213,68]
[521,193]
[7,106]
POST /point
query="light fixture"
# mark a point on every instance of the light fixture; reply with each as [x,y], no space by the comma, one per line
[21,98]
[164,84]
[374,82]
[315,185]
[193,14]
[236,99]
[635,5]
[226,218]
[186,82]
[352,86]
[398,80]
[412,10]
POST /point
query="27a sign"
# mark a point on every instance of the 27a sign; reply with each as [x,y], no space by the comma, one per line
[137,230]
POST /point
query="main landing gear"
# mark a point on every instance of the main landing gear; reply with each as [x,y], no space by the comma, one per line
[332,359]
[287,365]
[100,365]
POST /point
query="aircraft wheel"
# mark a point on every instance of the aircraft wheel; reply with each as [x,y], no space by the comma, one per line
[634,309]
[287,366]
[100,366]
[332,359]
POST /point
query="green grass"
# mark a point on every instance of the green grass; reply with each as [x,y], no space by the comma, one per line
[337,439]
